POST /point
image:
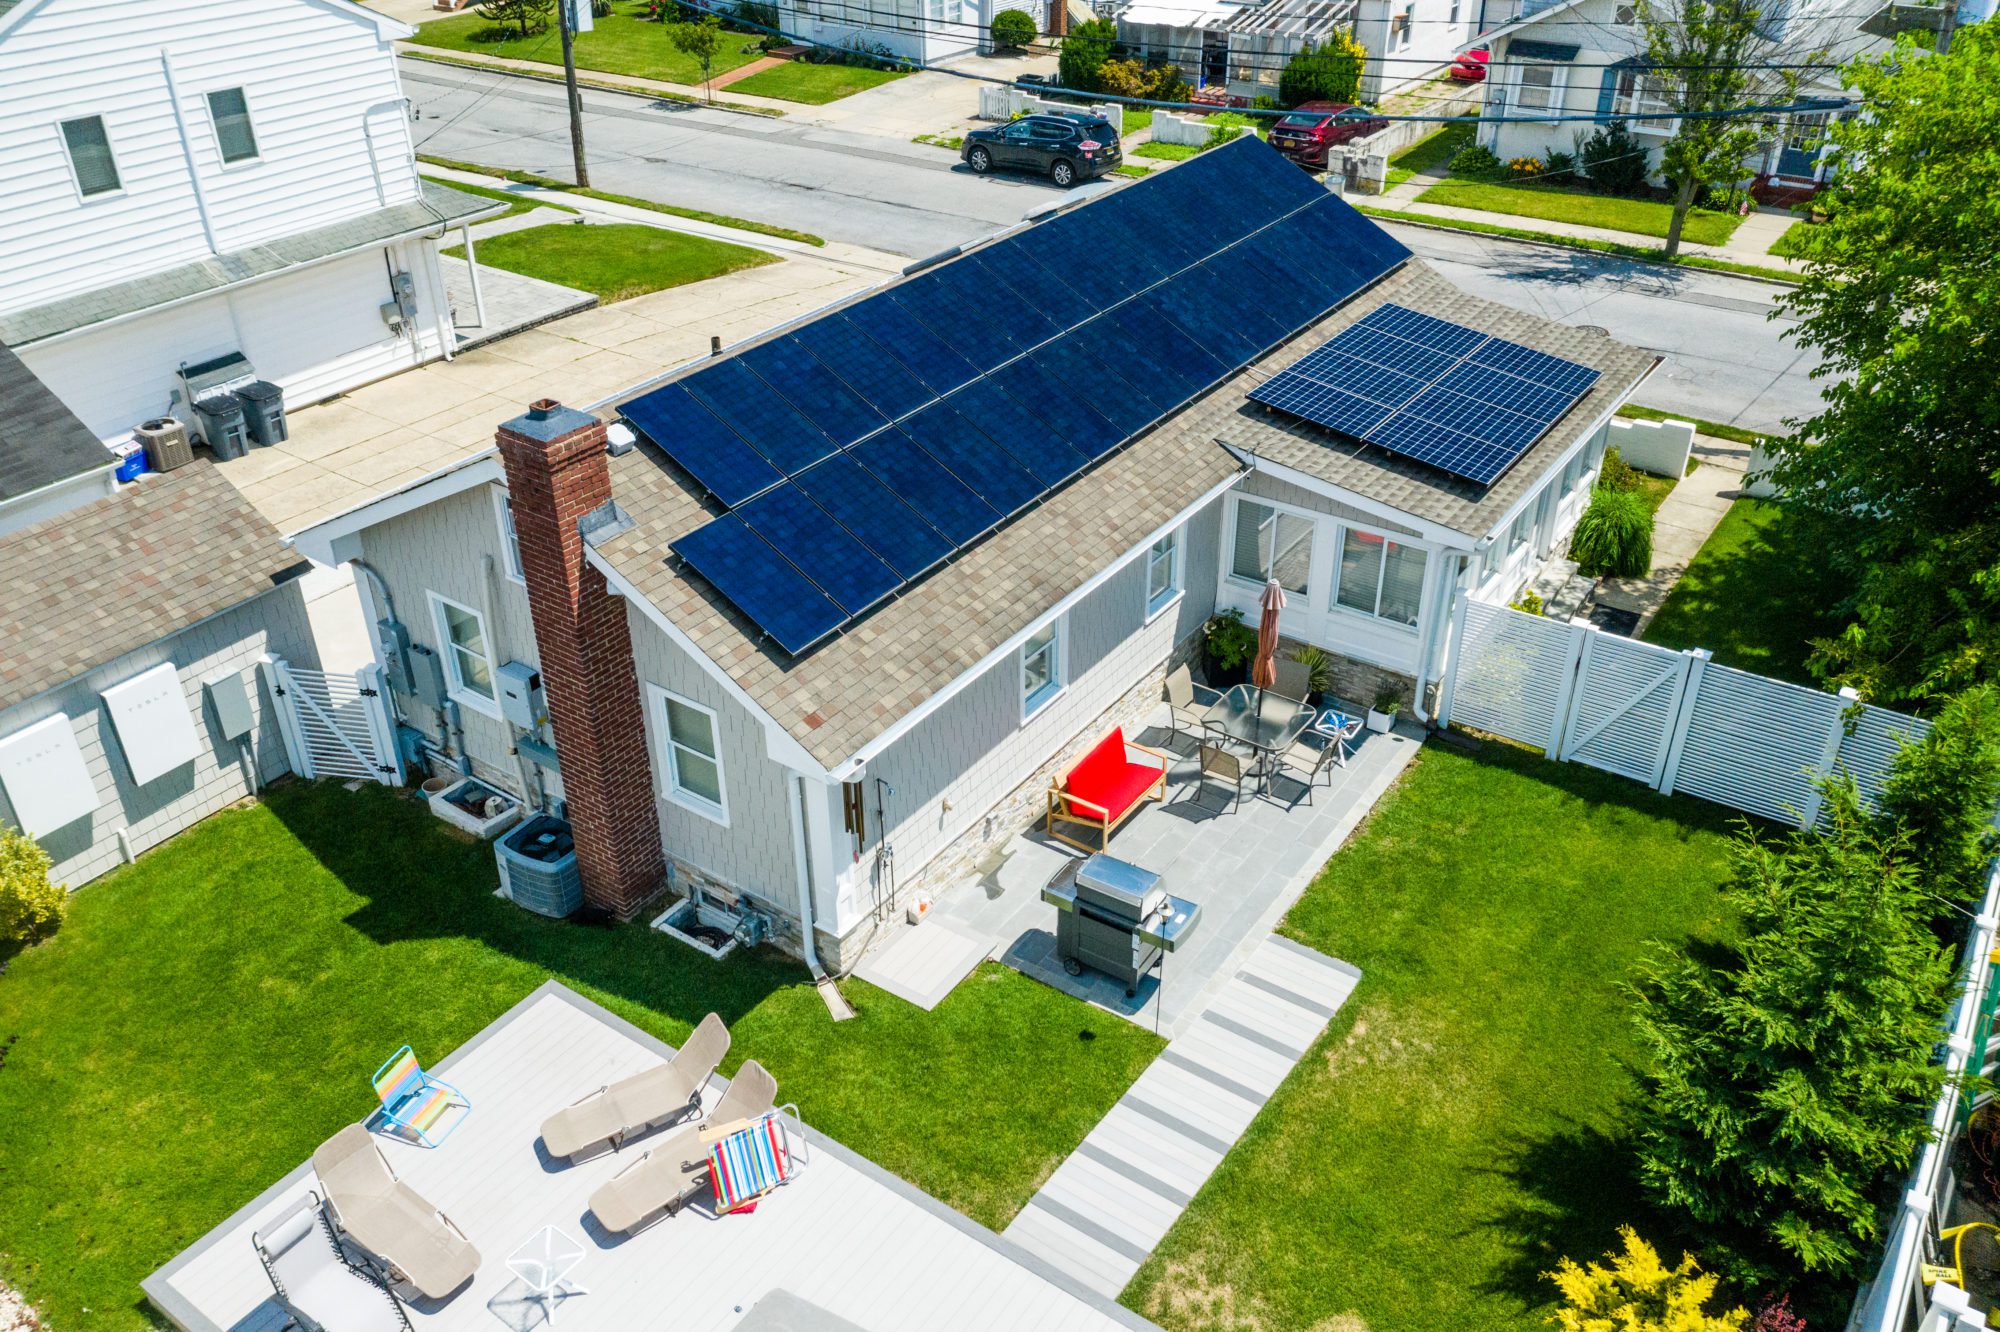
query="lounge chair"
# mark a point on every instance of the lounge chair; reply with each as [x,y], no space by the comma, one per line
[629,1107]
[676,1169]
[314,1283]
[415,1101]
[388,1220]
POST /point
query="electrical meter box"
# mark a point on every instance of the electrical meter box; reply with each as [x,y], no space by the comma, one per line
[521,695]
[231,702]
[426,677]
[395,643]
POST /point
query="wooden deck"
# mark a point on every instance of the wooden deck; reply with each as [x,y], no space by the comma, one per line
[1112,1201]
[845,1245]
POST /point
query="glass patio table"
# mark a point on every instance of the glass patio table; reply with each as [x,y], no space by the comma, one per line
[1263,719]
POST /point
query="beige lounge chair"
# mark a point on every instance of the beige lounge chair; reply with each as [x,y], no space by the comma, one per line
[412,1240]
[675,1169]
[629,1107]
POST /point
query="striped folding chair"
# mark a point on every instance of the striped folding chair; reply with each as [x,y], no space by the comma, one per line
[415,1101]
[756,1159]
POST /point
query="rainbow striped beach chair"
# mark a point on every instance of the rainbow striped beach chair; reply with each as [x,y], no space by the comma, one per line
[414,1100]
[752,1161]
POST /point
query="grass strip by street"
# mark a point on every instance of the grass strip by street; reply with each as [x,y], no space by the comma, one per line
[1132,169]
[1756,594]
[616,261]
[604,84]
[1715,429]
[1641,217]
[671,210]
[1644,253]
[954,142]
[519,205]
[814,84]
[268,959]
[1464,1121]
[623,43]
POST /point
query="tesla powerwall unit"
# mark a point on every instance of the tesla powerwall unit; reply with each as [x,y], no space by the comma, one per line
[43,773]
[155,728]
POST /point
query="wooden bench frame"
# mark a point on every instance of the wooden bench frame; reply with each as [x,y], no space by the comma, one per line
[1105,822]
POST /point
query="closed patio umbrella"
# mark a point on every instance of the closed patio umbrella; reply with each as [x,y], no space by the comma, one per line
[1264,669]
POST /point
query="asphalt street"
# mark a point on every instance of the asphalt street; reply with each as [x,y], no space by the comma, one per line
[1724,358]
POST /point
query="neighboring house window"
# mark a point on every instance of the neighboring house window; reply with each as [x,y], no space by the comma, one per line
[694,755]
[1625,15]
[90,156]
[1041,668]
[510,540]
[231,114]
[1380,577]
[468,654]
[1399,31]
[1541,87]
[1163,573]
[1643,97]
[1272,544]
[1451,20]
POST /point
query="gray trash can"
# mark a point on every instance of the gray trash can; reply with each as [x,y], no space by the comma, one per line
[264,411]
[222,424]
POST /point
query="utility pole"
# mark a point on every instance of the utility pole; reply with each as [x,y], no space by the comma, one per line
[563,19]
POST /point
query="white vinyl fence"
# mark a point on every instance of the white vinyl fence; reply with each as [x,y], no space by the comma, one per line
[335,724]
[1676,721]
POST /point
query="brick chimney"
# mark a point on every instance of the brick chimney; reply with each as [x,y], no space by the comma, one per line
[557,474]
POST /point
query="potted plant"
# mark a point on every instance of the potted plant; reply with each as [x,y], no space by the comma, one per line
[1319,670]
[1231,644]
[1388,702]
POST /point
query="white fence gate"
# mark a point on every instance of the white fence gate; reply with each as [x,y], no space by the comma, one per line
[335,724]
[1673,720]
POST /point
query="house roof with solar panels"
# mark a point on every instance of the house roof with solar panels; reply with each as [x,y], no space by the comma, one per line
[852,512]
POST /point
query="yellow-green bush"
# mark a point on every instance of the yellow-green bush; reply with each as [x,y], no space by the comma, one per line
[1639,1293]
[30,905]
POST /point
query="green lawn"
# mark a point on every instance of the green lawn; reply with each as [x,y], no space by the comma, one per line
[624,43]
[516,204]
[1755,595]
[1137,118]
[1787,245]
[1167,152]
[1463,1122]
[1432,153]
[617,261]
[211,1014]
[1641,217]
[798,81]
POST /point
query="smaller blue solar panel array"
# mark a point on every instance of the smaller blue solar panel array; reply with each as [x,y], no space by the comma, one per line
[1432,390]
[859,451]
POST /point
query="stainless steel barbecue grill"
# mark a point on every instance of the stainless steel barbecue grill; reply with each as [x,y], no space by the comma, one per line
[1116,918]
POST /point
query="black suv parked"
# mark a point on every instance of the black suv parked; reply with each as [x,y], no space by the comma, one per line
[1066,147]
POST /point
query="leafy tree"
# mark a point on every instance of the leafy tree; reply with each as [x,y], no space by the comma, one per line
[1639,1293]
[1329,72]
[528,16]
[1129,78]
[1900,471]
[1941,792]
[1013,29]
[1785,1088]
[702,40]
[29,904]
[1084,52]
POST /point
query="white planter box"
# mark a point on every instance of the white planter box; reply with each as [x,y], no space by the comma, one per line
[1380,722]
[451,805]
[677,918]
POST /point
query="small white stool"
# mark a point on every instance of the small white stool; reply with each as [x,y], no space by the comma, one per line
[545,1263]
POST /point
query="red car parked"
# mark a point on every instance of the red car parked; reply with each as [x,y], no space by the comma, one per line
[1470,67]
[1311,129]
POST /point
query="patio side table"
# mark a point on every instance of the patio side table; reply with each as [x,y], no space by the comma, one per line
[544,1263]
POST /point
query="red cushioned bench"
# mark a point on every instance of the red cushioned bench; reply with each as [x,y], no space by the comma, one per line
[1103,789]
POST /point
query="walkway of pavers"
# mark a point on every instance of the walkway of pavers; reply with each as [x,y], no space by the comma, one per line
[1106,1207]
[1686,519]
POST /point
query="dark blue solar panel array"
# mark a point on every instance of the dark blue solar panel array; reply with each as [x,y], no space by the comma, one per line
[859,451]
[1432,390]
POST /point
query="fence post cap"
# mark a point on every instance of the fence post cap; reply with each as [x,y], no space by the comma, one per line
[1916,1201]
[1961,1045]
[1850,693]
[1987,921]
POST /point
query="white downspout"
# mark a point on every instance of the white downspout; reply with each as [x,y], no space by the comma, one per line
[187,154]
[472,271]
[836,1003]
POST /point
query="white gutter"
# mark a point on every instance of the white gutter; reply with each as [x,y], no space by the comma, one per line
[1433,532]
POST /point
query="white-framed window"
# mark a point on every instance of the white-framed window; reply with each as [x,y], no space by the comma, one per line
[1573,470]
[1399,30]
[1539,86]
[1271,543]
[1379,577]
[1643,98]
[691,747]
[468,654]
[1163,573]
[229,112]
[1625,15]
[510,540]
[1451,19]
[91,161]
[1041,668]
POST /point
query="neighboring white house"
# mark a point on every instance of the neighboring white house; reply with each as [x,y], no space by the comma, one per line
[926,31]
[694,751]
[1583,58]
[191,181]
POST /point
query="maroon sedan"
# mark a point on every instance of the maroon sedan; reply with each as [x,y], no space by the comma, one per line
[1311,129]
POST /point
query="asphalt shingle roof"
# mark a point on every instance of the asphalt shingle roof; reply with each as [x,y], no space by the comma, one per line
[87,586]
[41,440]
[440,205]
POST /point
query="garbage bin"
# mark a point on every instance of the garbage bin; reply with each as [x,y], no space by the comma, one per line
[222,424]
[264,411]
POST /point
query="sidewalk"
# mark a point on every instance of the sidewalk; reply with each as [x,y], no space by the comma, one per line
[1684,522]
[1749,244]
[596,78]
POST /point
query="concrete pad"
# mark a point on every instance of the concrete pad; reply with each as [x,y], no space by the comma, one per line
[926,963]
